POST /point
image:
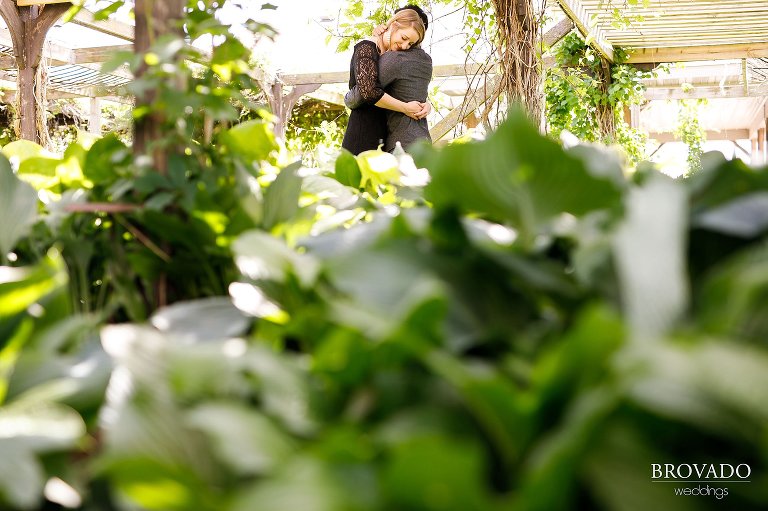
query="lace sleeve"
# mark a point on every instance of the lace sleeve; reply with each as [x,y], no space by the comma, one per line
[366,68]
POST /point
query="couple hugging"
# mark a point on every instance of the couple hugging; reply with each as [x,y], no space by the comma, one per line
[388,79]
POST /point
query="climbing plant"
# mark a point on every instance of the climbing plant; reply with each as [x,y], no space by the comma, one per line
[315,130]
[587,96]
[690,131]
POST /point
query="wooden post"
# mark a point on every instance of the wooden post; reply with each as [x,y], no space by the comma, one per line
[761,146]
[29,26]
[282,104]
[94,116]
[755,154]
[153,18]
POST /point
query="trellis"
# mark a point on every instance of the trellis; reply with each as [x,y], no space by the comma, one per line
[688,31]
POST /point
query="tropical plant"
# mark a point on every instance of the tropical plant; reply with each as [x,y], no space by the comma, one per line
[532,339]
[521,327]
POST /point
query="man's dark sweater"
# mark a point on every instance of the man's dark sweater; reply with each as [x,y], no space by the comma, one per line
[404,75]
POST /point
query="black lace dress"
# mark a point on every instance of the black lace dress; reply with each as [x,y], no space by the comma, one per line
[367,127]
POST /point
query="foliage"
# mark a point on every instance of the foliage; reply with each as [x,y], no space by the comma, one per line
[315,131]
[690,131]
[480,353]
[582,99]
[358,20]
[524,328]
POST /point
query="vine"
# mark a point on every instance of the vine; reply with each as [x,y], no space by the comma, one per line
[587,97]
[690,131]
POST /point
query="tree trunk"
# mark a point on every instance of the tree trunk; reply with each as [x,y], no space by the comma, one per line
[153,19]
[28,28]
[518,30]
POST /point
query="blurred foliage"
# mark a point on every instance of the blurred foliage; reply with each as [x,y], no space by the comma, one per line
[519,327]
[489,346]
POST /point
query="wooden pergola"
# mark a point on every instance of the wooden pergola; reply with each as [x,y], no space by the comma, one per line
[698,32]
[72,74]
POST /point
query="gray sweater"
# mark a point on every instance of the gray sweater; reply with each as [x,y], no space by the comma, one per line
[404,75]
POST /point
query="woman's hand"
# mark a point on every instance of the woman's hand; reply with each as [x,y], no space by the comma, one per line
[377,31]
[426,108]
[412,109]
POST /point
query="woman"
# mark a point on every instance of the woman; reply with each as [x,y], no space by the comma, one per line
[367,127]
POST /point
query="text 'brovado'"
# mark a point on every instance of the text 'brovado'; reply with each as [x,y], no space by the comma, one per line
[701,471]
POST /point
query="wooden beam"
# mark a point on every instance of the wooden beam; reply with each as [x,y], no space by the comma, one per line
[554,34]
[25,3]
[7,62]
[594,35]
[334,98]
[343,76]
[692,53]
[737,134]
[111,27]
[97,54]
[706,92]
[470,104]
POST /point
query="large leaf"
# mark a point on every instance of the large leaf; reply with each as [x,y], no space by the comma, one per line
[516,176]
[201,320]
[25,431]
[247,441]
[437,473]
[281,200]
[252,140]
[650,255]
[18,208]
[347,169]
[264,257]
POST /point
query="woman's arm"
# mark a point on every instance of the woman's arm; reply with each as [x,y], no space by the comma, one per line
[365,65]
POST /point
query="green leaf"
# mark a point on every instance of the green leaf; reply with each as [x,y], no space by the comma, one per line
[244,439]
[102,158]
[650,255]
[21,150]
[229,50]
[18,208]
[206,319]
[252,140]
[516,176]
[281,200]
[263,257]
[744,217]
[437,473]
[347,169]
[103,14]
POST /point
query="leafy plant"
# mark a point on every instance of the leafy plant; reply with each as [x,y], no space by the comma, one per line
[690,131]
[589,101]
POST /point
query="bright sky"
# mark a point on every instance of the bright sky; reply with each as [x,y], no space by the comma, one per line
[301,46]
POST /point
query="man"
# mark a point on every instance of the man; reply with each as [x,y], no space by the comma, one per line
[404,75]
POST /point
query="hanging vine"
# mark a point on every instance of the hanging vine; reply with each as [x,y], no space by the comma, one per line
[518,29]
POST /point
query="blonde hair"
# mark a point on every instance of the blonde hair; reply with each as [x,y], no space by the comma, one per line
[408,18]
